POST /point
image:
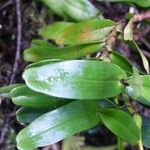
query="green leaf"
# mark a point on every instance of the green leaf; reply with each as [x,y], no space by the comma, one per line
[121,61]
[146,131]
[128,30]
[143,95]
[41,43]
[145,62]
[78,10]
[59,124]
[89,31]
[142,3]
[27,115]
[121,124]
[5,91]
[39,53]
[23,96]
[76,79]
[53,30]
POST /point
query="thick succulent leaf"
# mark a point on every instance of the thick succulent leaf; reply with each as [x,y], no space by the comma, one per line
[142,3]
[89,31]
[121,124]
[27,115]
[76,79]
[146,131]
[23,96]
[77,10]
[39,53]
[121,61]
[143,95]
[59,124]
[53,30]
[106,103]
[5,91]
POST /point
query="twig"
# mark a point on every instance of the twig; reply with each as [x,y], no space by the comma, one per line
[142,16]
[19,38]
[10,2]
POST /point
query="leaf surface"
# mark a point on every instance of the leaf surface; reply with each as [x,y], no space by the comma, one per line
[121,124]
[76,79]
[59,124]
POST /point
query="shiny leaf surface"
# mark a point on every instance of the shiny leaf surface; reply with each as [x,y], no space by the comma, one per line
[23,96]
[121,61]
[121,124]
[77,10]
[39,53]
[59,124]
[27,115]
[76,79]
[89,31]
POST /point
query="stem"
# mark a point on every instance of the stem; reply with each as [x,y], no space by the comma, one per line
[140,145]
[120,144]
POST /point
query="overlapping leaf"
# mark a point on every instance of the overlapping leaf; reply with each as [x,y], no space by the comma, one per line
[142,95]
[76,79]
[59,124]
[77,10]
[23,96]
[121,124]
[121,61]
[27,115]
[38,53]
[89,31]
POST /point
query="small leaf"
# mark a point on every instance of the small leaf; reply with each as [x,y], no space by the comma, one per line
[23,96]
[121,61]
[59,124]
[39,53]
[53,30]
[5,91]
[121,124]
[135,47]
[76,79]
[89,31]
[27,115]
[41,43]
[128,30]
[143,96]
[146,131]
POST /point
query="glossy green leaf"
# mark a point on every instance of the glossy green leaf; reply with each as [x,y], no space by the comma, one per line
[59,124]
[145,62]
[53,30]
[5,91]
[146,131]
[39,53]
[121,124]
[143,95]
[142,3]
[89,31]
[76,79]
[77,10]
[27,115]
[23,96]
[121,61]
